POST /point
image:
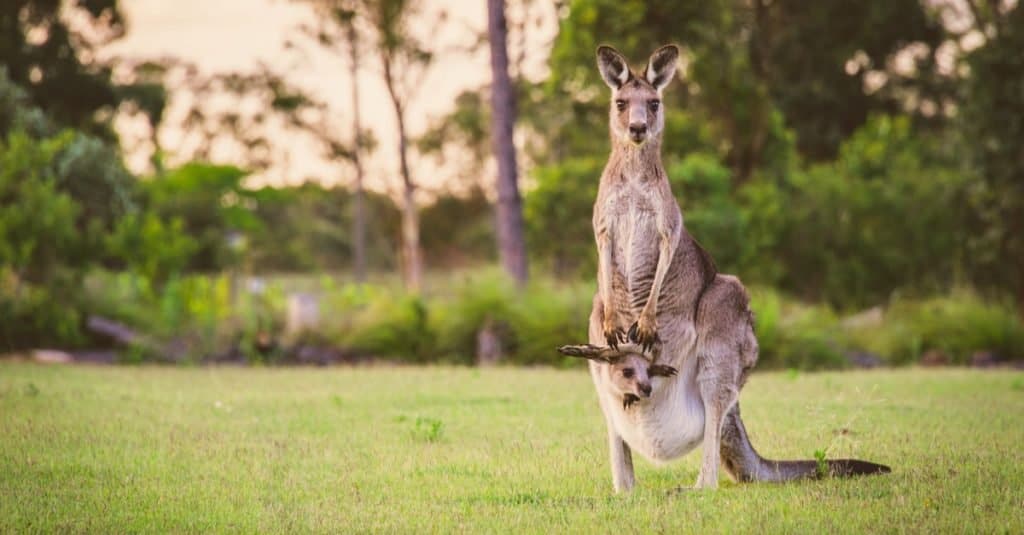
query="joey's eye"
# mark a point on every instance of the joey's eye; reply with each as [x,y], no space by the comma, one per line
[654,104]
[620,104]
[627,373]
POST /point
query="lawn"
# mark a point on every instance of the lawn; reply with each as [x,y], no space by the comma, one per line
[436,449]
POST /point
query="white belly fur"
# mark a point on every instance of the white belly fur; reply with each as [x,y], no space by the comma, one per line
[668,425]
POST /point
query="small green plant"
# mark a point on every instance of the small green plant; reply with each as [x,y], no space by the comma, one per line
[1018,384]
[428,429]
[819,457]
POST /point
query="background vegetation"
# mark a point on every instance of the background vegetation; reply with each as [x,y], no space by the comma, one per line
[858,165]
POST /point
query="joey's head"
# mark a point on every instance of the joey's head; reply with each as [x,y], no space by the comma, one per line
[636,115]
[630,372]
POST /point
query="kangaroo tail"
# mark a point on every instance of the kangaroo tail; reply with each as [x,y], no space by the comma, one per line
[745,464]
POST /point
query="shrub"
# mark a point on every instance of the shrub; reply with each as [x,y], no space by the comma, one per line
[791,334]
[393,326]
[957,325]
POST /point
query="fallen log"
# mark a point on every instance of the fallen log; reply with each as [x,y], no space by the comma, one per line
[174,351]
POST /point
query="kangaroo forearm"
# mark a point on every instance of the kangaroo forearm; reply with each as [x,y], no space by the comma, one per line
[665,253]
[604,283]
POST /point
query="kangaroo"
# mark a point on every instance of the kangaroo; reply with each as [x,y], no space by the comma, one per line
[637,224]
[696,324]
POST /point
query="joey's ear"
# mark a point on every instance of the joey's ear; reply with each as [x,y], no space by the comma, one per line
[661,68]
[613,66]
[661,370]
[591,352]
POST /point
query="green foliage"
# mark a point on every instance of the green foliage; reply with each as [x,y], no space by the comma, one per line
[795,335]
[307,228]
[458,230]
[37,316]
[558,215]
[823,100]
[529,322]
[213,205]
[993,127]
[711,213]
[822,463]
[393,327]
[957,325]
[209,319]
[884,216]
[150,247]
[45,52]
[38,231]
[427,429]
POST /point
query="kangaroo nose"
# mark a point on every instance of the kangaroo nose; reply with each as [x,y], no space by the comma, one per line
[638,130]
[645,389]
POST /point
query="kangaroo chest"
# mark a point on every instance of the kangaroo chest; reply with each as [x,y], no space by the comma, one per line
[632,214]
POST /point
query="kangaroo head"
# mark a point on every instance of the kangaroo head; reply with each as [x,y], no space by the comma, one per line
[629,371]
[636,114]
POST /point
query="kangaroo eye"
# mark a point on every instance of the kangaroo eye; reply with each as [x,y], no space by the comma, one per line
[627,373]
[620,104]
[654,104]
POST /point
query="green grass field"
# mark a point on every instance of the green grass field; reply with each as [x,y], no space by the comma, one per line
[152,449]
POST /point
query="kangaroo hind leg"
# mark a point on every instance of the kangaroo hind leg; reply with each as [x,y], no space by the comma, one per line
[719,392]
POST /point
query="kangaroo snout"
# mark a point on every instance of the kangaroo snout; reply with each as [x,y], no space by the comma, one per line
[637,131]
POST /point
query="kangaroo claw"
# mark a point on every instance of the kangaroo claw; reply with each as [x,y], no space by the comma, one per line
[646,337]
[614,336]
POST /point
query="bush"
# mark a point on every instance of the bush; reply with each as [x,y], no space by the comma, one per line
[393,326]
[36,317]
[795,335]
[957,325]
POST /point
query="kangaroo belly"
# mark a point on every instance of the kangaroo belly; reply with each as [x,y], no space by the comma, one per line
[668,425]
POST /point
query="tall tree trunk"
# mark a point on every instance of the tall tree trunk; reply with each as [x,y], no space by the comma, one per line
[358,214]
[412,261]
[511,243]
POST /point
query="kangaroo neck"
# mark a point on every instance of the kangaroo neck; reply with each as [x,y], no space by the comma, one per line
[634,162]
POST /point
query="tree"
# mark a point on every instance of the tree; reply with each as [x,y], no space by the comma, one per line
[753,74]
[359,210]
[511,244]
[405,60]
[44,54]
[992,119]
[338,29]
[820,87]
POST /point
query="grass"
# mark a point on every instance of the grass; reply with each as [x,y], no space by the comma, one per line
[435,449]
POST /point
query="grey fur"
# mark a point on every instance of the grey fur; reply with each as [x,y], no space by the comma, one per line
[659,290]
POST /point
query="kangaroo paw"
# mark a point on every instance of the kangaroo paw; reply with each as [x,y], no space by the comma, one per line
[643,333]
[614,335]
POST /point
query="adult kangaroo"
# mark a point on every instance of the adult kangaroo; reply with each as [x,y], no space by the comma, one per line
[659,293]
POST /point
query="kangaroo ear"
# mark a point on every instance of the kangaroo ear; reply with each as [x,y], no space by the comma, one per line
[661,370]
[591,352]
[661,68]
[613,66]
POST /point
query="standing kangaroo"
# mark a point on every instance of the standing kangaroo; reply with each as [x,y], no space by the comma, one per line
[659,292]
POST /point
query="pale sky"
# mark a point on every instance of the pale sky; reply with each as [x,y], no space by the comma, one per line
[234,35]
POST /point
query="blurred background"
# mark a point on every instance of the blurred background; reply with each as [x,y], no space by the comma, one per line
[322,181]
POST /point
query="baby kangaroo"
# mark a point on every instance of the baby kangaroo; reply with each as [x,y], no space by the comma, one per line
[629,372]
[695,323]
